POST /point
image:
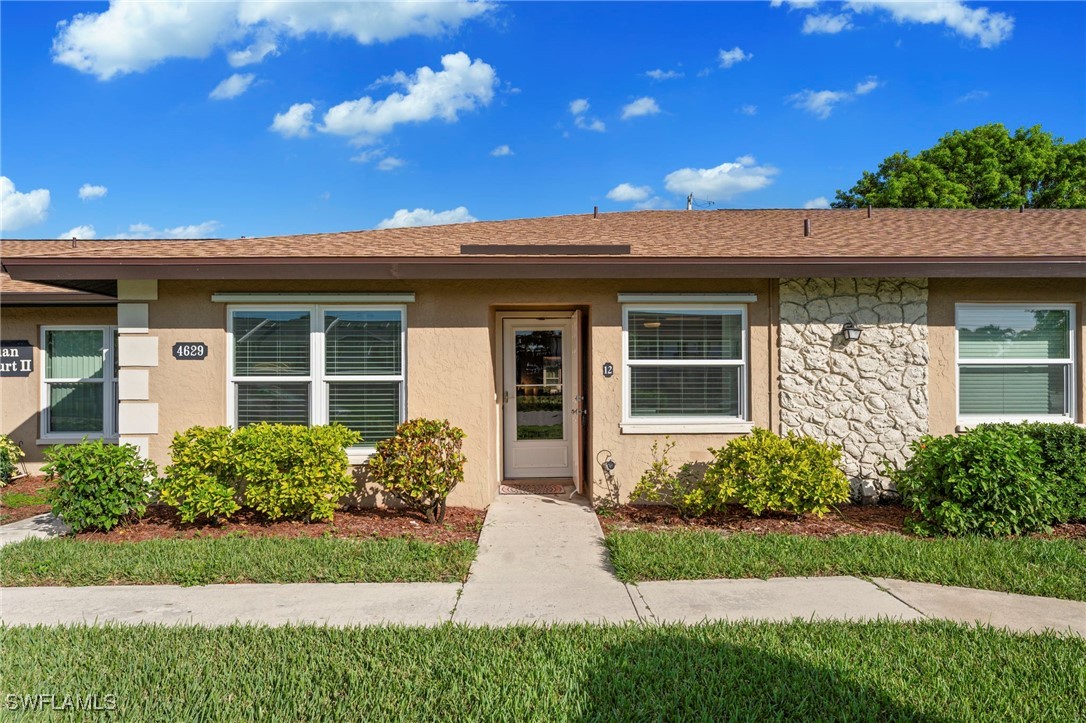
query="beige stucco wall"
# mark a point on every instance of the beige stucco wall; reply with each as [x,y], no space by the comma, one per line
[453,362]
[20,397]
[943,294]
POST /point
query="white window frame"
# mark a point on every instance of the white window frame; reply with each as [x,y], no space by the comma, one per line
[708,424]
[108,382]
[968,420]
[317,379]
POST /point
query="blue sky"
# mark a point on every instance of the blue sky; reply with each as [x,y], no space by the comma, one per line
[243,119]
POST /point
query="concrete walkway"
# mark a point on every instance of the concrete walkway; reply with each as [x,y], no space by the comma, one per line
[541,560]
[42,526]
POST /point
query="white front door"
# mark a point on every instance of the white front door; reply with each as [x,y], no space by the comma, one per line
[541,421]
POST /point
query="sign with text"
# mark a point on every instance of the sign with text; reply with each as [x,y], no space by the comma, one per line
[608,370]
[16,358]
[190,350]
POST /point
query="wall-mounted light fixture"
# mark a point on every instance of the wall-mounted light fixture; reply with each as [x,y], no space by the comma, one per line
[850,331]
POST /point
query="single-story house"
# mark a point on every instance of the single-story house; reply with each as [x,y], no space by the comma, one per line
[559,344]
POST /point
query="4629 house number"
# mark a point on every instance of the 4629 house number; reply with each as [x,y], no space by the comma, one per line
[190,350]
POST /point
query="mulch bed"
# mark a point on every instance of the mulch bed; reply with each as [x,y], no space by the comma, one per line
[846,520]
[461,523]
[26,485]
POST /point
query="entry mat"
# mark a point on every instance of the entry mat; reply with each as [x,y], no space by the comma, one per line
[534,488]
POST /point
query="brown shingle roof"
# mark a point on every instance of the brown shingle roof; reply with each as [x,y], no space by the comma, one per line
[888,233]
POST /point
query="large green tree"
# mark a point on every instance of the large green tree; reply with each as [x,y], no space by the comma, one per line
[986,167]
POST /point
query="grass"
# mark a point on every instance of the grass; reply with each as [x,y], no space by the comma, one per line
[15,500]
[878,671]
[1053,568]
[232,559]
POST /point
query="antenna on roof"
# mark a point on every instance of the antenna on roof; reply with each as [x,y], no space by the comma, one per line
[691,202]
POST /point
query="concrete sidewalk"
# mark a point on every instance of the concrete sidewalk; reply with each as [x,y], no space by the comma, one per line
[41,526]
[541,560]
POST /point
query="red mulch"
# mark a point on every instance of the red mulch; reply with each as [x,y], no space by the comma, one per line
[461,523]
[847,520]
[32,484]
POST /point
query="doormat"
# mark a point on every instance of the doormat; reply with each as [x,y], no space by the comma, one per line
[533,488]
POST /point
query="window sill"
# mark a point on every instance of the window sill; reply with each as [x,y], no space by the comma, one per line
[694,428]
[72,439]
[967,426]
[359,456]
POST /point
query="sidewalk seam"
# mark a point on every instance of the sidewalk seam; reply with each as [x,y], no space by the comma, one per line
[891,594]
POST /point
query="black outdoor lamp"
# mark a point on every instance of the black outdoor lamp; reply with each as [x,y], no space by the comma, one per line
[850,331]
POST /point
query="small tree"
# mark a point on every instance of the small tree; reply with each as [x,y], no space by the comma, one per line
[421,465]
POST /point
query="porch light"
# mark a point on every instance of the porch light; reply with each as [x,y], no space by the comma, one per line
[850,331]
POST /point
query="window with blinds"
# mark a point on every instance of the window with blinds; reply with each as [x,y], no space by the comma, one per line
[685,365]
[319,365]
[1015,362]
[79,395]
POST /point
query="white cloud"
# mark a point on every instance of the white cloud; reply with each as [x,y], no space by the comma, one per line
[973,95]
[389,163]
[820,202]
[145,231]
[578,108]
[133,36]
[821,103]
[650,203]
[21,209]
[502,150]
[722,182]
[625,192]
[866,86]
[87,192]
[463,85]
[826,24]
[296,122]
[233,86]
[640,107]
[728,58]
[660,74]
[794,4]
[425,217]
[85,231]
[255,53]
[748,109]
[988,28]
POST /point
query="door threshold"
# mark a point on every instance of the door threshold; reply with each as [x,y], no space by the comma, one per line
[555,486]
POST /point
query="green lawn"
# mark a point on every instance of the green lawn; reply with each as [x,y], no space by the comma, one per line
[878,671]
[1053,568]
[204,561]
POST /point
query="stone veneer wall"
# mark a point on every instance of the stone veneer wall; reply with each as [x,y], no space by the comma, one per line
[869,396]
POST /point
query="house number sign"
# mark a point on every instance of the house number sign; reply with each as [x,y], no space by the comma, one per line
[608,369]
[190,350]
[16,358]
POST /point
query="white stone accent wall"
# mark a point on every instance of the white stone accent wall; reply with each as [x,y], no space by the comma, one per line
[137,353]
[870,396]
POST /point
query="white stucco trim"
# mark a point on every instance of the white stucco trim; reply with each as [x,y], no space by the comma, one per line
[133,384]
[657,428]
[132,318]
[137,290]
[137,351]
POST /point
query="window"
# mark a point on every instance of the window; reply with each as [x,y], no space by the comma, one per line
[1015,362]
[79,385]
[684,365]
[318,365]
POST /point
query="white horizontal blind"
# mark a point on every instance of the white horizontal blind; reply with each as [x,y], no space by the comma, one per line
[1015,361]
[273,402]
[271,343]
[685,364]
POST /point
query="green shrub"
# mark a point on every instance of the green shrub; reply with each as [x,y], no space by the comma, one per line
[421,465]
[10,454]
[1063,448]
[202,480]
[97,484]
[988,481]
[766,472]
[290,471]
[680,489]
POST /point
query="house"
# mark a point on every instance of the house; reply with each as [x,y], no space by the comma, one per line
[559,344]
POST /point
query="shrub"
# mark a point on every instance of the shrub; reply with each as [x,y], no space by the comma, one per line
[294,471]
[98,484]
[10,454]
[767,472]
[202,480]
[988,481]
[421,465]
[682,489]
[1063,448]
